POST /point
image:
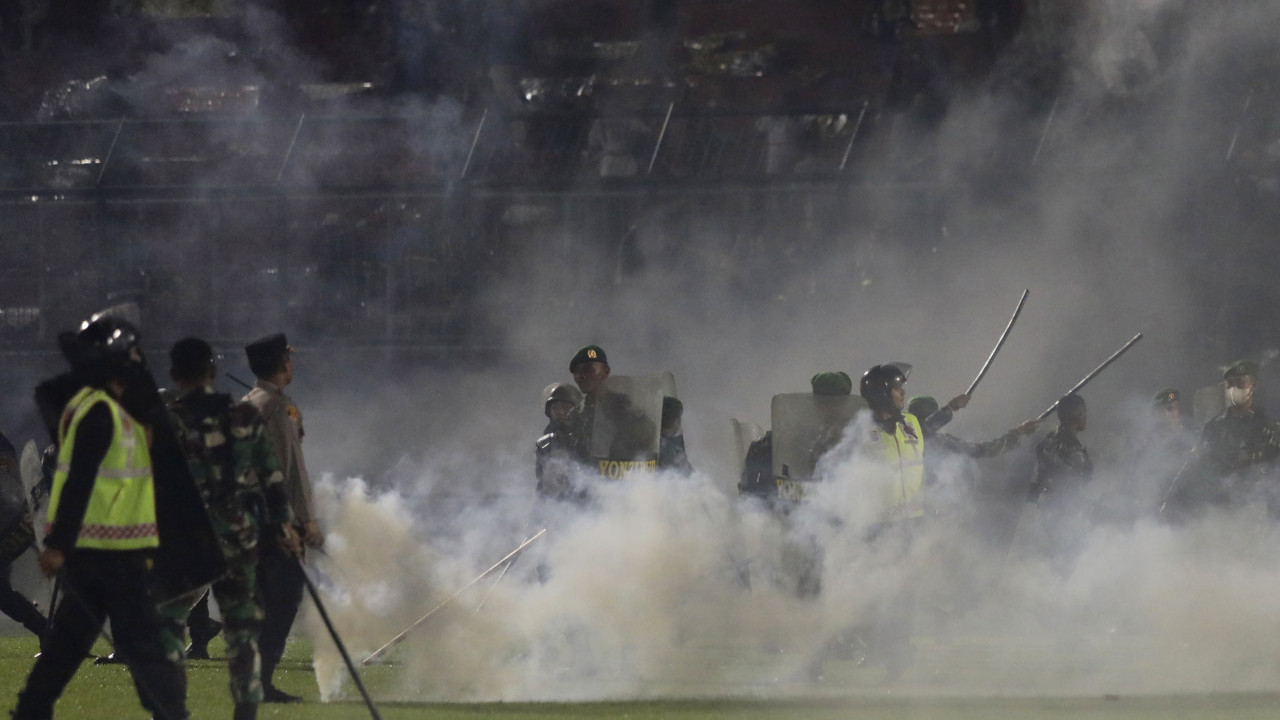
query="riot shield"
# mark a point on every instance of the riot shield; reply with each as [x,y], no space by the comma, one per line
[32,470]
[669,384]
[1208,403]
[619,426]
[806,426]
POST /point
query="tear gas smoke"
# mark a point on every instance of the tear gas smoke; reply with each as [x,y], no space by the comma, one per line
[667,589]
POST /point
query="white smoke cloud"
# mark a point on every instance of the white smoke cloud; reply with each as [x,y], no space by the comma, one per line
[669,589]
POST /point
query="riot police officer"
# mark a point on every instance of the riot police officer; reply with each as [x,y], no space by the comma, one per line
[553,454]
[671,450]
[279,574]
[891,455]
[103,531]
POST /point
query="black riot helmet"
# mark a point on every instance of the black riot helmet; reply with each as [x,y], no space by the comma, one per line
[105,347]
[877,384]
[559,392]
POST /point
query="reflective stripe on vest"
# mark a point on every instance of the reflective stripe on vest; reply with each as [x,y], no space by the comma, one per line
[904,459]
[122,507]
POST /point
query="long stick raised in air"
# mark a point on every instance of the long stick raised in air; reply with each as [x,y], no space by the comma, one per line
[1003,336]
[1092,375]
[405,633]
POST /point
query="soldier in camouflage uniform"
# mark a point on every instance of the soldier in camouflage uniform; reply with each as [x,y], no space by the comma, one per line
[236,469]
[1233,462]
[632,431]
[1063,470]
[1159,448]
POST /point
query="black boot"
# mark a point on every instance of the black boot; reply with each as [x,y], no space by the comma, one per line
[200,636]
[273,694]
[245,711]
[28,710]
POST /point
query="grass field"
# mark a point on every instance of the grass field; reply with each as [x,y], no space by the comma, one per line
[106,692]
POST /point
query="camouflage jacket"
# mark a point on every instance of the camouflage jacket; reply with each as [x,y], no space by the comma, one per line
[1235,453]
[1062,464]
[232,462]
[977,450]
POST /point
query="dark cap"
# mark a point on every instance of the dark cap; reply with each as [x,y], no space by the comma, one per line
[190,359]
[266,354]
[1071,405]
[922,406]
[671,407]
[1167,396]
[590,353]
[831,383]
[1240,367]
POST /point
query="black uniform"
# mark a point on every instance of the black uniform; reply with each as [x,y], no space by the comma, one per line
[672,455]
[757,471]
[553,464]
[671,451]
[16,540]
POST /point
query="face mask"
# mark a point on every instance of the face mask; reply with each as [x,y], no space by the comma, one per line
[1238,396]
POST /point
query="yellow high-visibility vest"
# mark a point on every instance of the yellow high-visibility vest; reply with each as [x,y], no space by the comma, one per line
[122,508]
[900,487]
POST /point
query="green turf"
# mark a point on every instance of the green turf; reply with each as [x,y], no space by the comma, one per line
[106,692]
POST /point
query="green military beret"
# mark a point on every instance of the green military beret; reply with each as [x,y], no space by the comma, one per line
[1167,396]
[832,383]
[1241,367]
[590,353]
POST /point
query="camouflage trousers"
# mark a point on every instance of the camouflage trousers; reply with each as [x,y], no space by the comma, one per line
[237,596]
